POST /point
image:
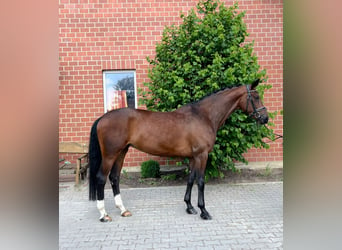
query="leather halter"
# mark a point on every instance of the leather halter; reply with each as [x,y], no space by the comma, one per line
[256,111]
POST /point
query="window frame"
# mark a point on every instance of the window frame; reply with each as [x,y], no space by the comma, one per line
[105,85]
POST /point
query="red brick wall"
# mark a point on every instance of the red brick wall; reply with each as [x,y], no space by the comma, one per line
[97,35]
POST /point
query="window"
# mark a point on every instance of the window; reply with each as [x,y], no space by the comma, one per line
[119,89]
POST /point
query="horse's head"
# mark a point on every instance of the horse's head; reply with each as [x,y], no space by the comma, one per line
[252,104]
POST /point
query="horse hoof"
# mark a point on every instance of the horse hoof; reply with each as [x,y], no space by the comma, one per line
[206,216]
[126,214]
[106,218]
[191,211]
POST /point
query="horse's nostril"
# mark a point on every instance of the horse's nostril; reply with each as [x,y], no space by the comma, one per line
[263,119]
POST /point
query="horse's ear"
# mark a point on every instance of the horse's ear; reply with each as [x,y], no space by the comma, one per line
[255,83]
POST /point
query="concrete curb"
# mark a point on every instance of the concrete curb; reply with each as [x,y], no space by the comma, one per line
[241,166]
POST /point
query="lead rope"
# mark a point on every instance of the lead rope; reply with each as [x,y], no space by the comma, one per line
[277,137]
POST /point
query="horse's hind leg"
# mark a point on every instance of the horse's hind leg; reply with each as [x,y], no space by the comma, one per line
[114,178]
[101,177]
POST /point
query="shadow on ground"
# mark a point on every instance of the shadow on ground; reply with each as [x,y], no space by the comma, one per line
[134,180]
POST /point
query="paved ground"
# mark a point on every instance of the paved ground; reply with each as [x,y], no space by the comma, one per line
[245,216]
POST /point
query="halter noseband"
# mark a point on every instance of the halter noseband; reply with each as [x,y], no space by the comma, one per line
[256,111]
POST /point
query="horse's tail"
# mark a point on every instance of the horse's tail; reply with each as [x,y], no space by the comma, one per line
[95,159]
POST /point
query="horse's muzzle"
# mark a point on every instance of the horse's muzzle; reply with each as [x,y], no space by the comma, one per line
[263,119]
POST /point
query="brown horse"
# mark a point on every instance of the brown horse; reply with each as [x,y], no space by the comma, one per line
[189,131]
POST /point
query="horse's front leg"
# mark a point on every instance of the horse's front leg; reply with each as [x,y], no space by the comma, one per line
[200,168]
[201,204]
[187,198]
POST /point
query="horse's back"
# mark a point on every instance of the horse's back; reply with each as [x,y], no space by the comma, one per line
[128,121]
[176,133]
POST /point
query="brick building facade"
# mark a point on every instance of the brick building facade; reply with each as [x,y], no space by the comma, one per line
[96,36]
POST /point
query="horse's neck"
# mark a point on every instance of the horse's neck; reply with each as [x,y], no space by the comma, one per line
[220,106]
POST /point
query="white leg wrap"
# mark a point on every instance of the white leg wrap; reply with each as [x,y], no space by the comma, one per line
[119,204]
[101,208]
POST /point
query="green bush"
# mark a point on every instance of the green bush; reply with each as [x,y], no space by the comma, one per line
[150,169]
[205,53]
[169,177]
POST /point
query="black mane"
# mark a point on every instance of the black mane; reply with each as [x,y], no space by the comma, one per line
[217,92]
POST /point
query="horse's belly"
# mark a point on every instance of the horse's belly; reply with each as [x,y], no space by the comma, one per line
[157,145]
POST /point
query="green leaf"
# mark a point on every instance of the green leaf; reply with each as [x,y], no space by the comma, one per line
[206,52]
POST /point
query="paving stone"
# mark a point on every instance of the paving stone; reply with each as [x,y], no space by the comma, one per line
[245,216]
